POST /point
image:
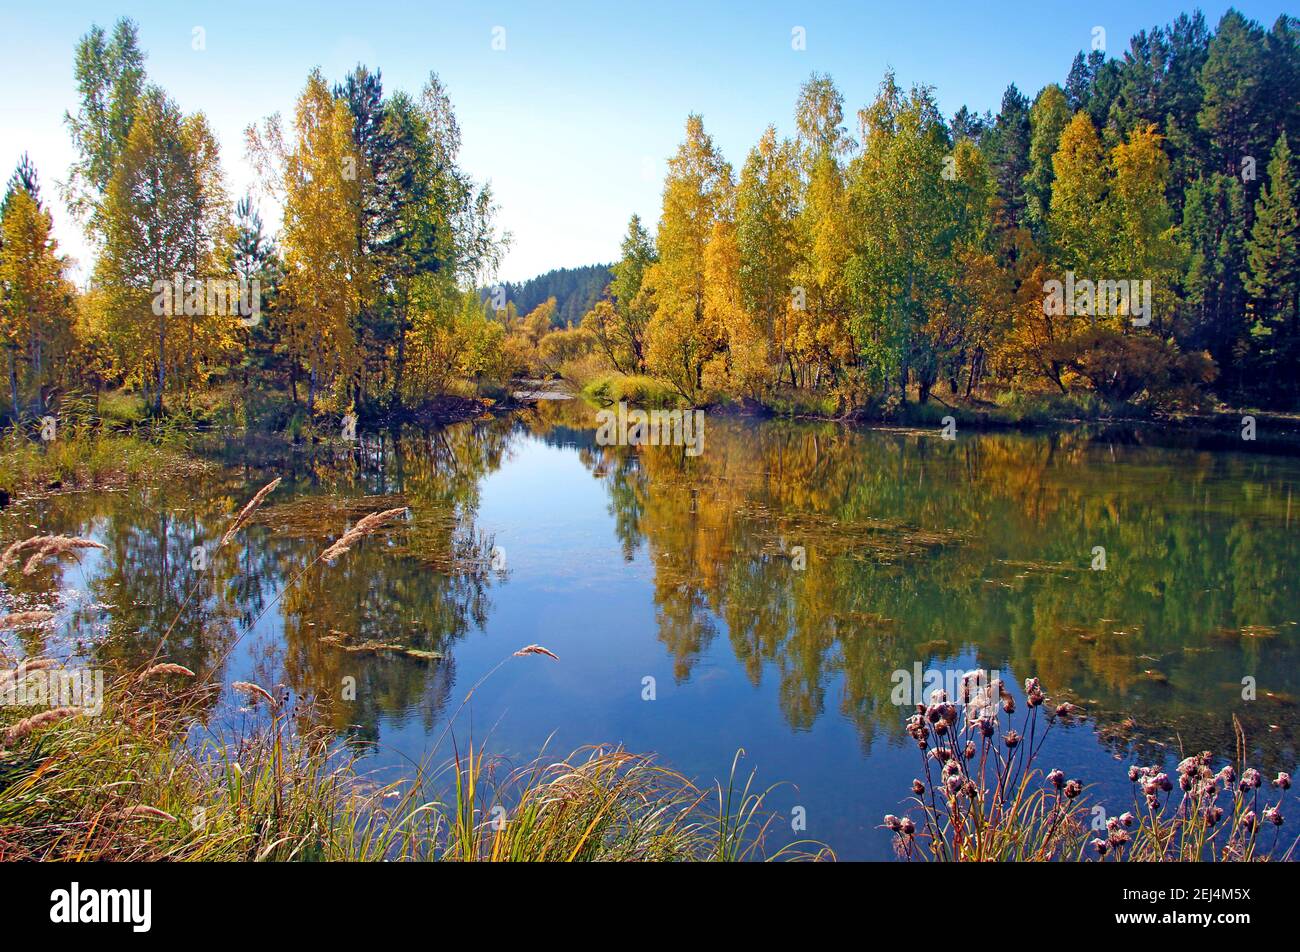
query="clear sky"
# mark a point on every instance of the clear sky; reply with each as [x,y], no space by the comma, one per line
[573,120]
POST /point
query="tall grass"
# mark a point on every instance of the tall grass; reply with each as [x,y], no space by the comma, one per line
[134,784]
[635,390]
[89,449]
[148,778]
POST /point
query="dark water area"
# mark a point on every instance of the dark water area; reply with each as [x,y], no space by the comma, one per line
[762,595]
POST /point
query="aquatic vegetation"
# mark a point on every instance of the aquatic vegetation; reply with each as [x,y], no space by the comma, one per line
[82,457]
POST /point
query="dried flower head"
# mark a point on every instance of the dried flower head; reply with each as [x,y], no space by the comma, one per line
[166,667]
[253,690]
[24,727]
[536,649]
[45,547]
[16,620]
[364,527]
[248,510]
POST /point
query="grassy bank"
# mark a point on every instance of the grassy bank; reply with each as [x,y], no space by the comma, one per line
[130,785]
[636,390]
[150,776]
[87,460]
[994,410]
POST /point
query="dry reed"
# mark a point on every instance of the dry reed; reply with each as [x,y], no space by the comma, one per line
[366,526]
[45,546]
[248,510]
[27,725]
[536,649]
[250,688]
[166,668]
[16,620]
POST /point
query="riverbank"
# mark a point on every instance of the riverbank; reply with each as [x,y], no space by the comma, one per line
[87,461]
[144,770]
[1009,411]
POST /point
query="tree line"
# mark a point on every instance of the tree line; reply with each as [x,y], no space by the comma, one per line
[363,300]
[1131,232]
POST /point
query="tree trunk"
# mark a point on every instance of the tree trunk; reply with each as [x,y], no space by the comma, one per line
[162,366]
[13,382]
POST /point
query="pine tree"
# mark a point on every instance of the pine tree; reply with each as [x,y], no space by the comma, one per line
[1273,273]
[1009,144]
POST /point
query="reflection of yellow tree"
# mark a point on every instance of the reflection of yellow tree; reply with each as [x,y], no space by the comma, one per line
[919,550]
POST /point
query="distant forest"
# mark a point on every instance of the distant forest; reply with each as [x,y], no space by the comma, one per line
[576,291]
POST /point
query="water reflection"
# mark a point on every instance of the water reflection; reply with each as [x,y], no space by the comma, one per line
[913,550]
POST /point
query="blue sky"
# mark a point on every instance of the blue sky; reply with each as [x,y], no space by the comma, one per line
[573,120]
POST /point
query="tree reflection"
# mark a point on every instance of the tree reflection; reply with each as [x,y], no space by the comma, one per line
[920,549]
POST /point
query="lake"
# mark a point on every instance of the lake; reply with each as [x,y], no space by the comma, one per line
[762,595]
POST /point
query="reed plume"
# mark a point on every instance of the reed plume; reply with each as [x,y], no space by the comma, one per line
[10,557]
[364,527]
[139,811]
[16,620]
[166,667]
[248,510]
[248,687]
[26,726]
[44,545]
[36,664]
[54,545]
[536,649]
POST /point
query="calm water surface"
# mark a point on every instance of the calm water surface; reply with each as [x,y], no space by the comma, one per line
[636,564]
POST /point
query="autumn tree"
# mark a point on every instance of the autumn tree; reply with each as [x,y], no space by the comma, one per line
[697,193]
[767,243]
[36,300]
[318,176]
[902,209]
[1047,119]
[618,324]
[110,80]
[164,219]
[1074,219]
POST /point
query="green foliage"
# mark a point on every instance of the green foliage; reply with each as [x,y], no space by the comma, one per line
[636,390]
